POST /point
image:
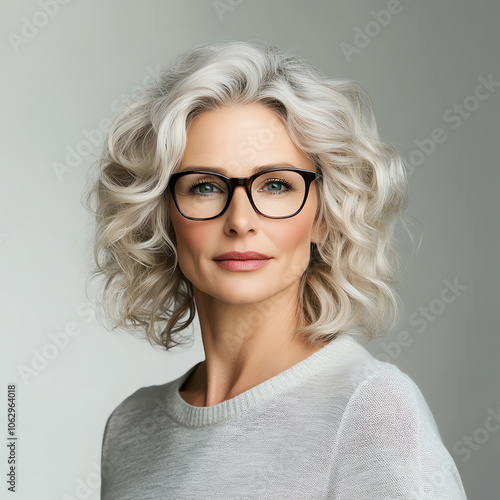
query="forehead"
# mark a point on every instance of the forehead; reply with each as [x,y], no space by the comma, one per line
[236,139]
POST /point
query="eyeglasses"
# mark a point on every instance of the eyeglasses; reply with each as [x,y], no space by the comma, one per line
[277,193]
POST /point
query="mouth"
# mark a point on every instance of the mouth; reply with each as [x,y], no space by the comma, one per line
[242,256]
[242,261]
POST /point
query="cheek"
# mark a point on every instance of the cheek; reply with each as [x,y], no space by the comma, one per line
[293,241]
[193,238]
[297,231]
[295,235]
[186,248]
[186,242]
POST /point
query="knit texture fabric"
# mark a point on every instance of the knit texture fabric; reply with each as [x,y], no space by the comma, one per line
[338,425]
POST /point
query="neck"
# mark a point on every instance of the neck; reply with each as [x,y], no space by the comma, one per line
[245,344]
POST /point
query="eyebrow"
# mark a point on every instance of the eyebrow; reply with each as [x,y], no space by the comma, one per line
[218,170]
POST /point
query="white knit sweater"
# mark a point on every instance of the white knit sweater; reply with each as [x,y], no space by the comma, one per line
[338,425]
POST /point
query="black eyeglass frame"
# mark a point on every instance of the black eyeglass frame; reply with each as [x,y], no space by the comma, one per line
[247,182]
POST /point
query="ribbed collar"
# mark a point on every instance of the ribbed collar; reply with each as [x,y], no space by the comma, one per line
[196,416]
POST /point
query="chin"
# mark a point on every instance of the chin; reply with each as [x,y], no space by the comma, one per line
[242,292]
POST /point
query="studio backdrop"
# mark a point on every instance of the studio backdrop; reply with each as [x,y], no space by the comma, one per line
[68,67]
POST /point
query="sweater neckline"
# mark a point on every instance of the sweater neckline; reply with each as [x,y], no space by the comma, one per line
[201,416]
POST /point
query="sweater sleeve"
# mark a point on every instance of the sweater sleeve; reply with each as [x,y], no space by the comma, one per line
[388,446]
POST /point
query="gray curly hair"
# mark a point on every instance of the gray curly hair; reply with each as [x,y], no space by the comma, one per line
[350,283]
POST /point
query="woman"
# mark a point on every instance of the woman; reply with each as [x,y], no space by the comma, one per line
[250,188]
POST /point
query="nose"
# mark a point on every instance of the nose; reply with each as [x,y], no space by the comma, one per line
[240,214]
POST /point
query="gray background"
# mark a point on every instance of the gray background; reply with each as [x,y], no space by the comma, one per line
[70,74]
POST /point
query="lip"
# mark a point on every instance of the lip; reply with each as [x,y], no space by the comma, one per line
[242,265]
[241,256]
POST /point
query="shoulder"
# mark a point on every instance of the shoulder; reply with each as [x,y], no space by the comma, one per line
[382,407]
[136,409]
[132,421]
[138,400]
[384,399]
[388,420]
[365,381]
[386,383]
[388,443]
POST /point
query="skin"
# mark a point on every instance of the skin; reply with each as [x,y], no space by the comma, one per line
[246,318]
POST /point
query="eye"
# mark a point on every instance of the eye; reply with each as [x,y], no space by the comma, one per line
[277,182]
[214,189]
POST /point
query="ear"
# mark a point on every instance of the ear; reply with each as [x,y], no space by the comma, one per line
[318,235]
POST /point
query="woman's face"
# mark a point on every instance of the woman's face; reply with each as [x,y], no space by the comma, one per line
[236,140]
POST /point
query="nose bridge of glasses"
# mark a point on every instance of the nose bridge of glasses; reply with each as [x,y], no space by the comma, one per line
[243,182]
[240,181]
